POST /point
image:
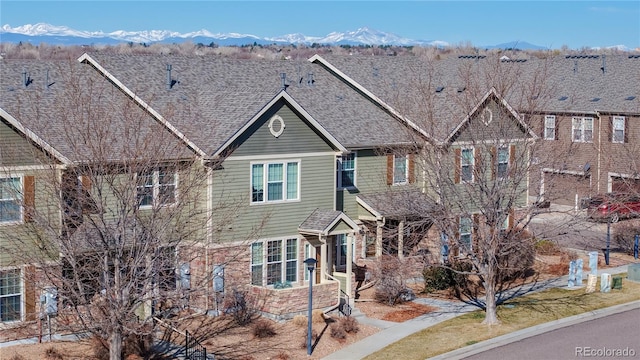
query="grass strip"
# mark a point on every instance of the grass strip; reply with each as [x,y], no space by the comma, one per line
[516,314]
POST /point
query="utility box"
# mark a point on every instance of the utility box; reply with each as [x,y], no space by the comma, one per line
[49,301]
[218,278]
[633,272]
[616,283]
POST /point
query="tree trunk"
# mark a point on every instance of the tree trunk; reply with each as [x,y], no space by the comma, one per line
[115,348]
[491,316]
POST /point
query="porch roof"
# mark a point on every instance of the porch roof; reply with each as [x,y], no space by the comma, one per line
[327,222]
[398,204]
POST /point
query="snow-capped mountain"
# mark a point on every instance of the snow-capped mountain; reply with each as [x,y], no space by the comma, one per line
[62,35]
[53,34]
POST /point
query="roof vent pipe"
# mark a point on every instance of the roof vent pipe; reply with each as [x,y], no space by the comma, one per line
[283,76]
[25,78]
[310,80]
[604,64]
[46,80]
[169,81]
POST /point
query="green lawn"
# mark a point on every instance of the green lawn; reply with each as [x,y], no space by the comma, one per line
[516,314]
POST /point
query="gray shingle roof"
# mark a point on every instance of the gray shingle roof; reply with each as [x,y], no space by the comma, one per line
[405,203]
[437,94]
[213,97]
[319,220]
[81,114]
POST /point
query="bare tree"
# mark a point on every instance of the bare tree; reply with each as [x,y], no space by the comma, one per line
[117,210]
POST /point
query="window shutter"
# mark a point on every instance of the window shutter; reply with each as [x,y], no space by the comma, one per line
[611,132]
[389,169]
[511,220]
[477,164]
[29,198]
[29,280]
[455,250]
[626,130]
[412,168]
[512,159]
[86,182]
[494,162]
[556,133]
[458,163]
[474,232]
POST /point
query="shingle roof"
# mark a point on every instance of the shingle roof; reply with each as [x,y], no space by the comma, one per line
[321,220]
[437,94]
[82,115]
[213,97]
[399,203]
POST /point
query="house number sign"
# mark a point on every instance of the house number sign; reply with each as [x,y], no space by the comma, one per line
[276,125]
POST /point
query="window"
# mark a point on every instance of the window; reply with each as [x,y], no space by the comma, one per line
[347,171]
[156,187]
[466,228]
[400,169]
[503,162]
[466,164]
[582,129]
[618,129]
[341,251]
[550,127]
[281,265]
[281,181]
[10,295]
[10,200]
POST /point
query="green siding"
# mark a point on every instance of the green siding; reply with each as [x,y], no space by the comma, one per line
[15,150]
[371,176]
[232,184]
[297,137]
[502,126]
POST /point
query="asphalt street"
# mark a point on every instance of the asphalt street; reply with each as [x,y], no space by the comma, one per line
[615,336]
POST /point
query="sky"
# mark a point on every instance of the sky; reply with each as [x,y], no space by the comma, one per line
[551,23]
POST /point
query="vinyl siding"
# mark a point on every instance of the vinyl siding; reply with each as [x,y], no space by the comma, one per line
[15,150]
[371,176]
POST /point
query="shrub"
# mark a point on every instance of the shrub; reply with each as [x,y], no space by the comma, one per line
[300,320]
[241,306]
[624,237]
[391,287]
[52,354]
[518,255]
[263,329]
[437,278]
[547,247]
[140,345]
[337,332]
[349,324]
[314,337]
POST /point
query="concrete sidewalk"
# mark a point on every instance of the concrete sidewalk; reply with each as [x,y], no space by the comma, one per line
[392,332]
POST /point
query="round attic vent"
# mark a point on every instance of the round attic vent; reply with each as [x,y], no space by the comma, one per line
[276,125]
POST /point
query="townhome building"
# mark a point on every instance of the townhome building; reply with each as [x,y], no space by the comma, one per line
[240,170]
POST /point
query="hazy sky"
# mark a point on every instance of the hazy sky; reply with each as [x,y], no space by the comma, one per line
[545,23]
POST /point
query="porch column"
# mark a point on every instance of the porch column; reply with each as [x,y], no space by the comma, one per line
[325,260]
[401,240]
[349,263]
[379,224]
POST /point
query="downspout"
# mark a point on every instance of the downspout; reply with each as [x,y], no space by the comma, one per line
[209,234]
[599,151]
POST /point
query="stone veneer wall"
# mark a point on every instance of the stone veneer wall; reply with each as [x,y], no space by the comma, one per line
[286,303]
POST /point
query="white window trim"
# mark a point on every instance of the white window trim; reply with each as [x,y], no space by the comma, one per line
[472,164]
[22,299]
[583,121]
[156,190]
[283,260]
[339,244]
[506,174]
[613,129]
[19,198]
[552,134]
[406,170]
[265,169]
[355,167]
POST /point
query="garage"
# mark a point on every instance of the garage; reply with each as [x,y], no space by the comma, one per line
[625,184]
[562,188]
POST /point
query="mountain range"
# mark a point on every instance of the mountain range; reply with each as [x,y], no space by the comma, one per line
[62,35]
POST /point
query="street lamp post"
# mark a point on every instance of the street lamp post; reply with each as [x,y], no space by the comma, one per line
[311,264]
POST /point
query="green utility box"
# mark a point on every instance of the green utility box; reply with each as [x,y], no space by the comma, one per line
[616,282]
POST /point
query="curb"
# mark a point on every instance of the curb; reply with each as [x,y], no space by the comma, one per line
[535,330]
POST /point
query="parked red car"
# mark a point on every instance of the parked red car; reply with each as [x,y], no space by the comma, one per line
[613,206]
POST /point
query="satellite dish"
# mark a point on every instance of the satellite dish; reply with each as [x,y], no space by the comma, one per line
[587,167]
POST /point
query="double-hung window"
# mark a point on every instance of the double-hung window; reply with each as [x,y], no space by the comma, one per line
[550,127]
[274,261]
[10,295]
[582,129]
[347,171]
[156,187]
[503,162]
[618,129]
[466,164]
[275,181]
[400,169]
[10,200]
[465,230]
